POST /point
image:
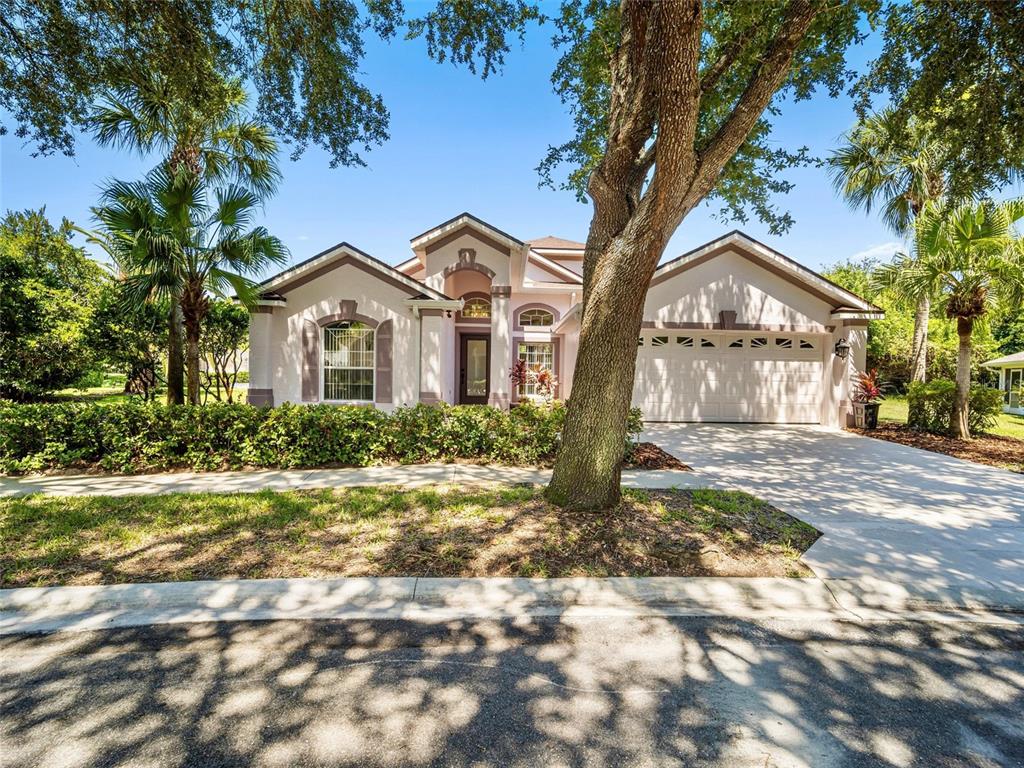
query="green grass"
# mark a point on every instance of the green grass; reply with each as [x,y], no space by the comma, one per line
[443,531]
[1007,425]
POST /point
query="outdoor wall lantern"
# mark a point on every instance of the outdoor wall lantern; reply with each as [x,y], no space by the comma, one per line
[842,349]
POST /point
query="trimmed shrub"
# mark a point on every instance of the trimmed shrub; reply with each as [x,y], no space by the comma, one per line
[933,402]
[140,437]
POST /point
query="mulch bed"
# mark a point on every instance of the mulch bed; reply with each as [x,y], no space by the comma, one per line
[1002,452]
[650,456]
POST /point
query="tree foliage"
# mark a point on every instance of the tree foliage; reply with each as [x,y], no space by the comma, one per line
[130,338]
[223,343]
[178,239]
[890,339]
[960,66]
[48,294]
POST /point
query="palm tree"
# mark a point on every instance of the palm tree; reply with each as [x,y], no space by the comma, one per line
[175,237]
[899,169]
[212,138]
[969,257]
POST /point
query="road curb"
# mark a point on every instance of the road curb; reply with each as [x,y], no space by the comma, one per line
[53,609]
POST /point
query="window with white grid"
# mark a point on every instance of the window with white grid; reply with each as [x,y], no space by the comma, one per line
[348,363]
[538,356]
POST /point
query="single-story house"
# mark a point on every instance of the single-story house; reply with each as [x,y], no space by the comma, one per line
[1011,381]
[732,331]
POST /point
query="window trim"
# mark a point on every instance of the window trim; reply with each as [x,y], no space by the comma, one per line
[324,367]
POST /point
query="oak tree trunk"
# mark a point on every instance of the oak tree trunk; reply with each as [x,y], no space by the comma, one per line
[919,351]
[655,169]
[175,356]
[959,424]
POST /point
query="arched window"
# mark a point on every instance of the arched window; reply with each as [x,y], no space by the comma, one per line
[536,318]
[348,362]
[476,307]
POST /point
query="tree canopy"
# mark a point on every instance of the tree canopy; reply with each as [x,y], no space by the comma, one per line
[49,291]
[959,65]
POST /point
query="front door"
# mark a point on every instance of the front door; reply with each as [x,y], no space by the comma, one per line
[475,369]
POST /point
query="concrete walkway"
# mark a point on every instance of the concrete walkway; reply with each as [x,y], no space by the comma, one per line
[409,476]
[901,525]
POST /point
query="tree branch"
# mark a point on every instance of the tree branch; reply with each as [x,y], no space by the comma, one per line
[758,94]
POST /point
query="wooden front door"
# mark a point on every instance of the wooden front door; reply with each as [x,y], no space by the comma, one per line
[474,369]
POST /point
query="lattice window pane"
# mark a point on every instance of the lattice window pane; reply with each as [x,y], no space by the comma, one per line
[534,318]
[684,341]
[348,362]
[476,307]
[539,356]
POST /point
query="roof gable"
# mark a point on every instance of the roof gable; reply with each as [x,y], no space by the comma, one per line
[770,259]
[466,223]
[552,243]
[338,256]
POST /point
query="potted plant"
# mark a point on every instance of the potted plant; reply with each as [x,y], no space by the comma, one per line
[866,396]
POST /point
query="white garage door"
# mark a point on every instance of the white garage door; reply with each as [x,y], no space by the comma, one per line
[721,376]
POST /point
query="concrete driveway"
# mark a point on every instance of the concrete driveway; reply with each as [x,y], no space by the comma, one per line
[900,524]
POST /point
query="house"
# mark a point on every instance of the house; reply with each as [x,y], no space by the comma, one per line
[1011,381]
[732,331]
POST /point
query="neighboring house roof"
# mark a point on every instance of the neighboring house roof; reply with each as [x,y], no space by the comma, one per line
[1015,358]
[458,222]
[333,257]
[844,302]
[550,242]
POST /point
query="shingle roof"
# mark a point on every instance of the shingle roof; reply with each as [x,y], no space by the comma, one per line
[550,241]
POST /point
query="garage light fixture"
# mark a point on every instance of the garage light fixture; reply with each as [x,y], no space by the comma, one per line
[842,349]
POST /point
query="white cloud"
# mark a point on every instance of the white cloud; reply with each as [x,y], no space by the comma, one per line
[881,252]
[302,237]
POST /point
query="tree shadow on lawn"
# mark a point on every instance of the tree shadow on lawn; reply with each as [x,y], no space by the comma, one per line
[507,531]
[574,692]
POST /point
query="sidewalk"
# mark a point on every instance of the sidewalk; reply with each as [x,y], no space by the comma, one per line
[48,609]
[409,476]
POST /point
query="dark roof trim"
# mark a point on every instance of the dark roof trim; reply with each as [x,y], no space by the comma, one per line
[467,215]
[343,244]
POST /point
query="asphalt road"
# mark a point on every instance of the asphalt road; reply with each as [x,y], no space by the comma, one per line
[603,692]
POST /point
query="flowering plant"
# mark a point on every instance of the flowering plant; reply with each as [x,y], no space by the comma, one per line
[545,382]
[868,388]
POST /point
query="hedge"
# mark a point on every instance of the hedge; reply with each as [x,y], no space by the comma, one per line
[934,402]
[146,437]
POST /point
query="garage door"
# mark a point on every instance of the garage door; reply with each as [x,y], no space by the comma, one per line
[714,376]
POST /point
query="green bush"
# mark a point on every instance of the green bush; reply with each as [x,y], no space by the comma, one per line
[933,401]
[137,436]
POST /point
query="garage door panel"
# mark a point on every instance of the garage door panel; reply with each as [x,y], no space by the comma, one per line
[773,383]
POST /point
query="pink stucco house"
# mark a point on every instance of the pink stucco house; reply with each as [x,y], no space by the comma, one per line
[732,331]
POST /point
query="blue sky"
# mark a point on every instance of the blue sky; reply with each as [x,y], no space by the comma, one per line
[459,143]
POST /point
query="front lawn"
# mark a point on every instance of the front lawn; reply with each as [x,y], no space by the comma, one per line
[894,409]
[47,540]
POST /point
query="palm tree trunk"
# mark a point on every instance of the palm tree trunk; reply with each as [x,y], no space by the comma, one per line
[175,362]
[959,424]
[193,308]
[919,349]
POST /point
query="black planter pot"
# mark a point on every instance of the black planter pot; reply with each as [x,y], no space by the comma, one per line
[870,415]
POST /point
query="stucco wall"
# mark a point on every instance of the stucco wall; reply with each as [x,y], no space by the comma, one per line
[732,282]
[322,297]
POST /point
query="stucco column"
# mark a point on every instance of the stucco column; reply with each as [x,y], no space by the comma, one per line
[261,383]
[501,346]
[430,356]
